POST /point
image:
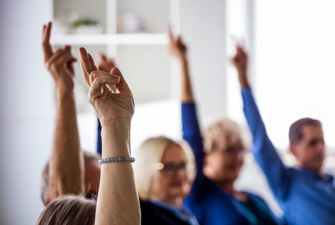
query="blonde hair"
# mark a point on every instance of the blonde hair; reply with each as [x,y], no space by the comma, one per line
[45,186]
[223,127]
[148,155]
[68,210]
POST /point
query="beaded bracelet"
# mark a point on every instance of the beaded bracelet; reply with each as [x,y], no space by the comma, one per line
[117,159]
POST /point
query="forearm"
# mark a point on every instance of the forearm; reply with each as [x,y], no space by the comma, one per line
[66,163]
[117,200]
[186,92]
[243,79]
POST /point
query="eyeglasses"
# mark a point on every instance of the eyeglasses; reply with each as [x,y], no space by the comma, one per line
[230,150]
[171,168]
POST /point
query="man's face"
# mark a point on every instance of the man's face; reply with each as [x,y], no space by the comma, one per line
[92,178]
[310,151]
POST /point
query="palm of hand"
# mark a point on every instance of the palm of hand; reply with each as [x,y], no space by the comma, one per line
[178,48]
[58,63]
[240,59]
[110,104]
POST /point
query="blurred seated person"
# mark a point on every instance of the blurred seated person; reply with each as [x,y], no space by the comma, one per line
[164,174]
[91,179]
[68,165]
[219,155]
[305,193]
[117,201]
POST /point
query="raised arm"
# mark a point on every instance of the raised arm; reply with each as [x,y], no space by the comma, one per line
[190,124]
[179,50]
[265,153]
[66,162]
[117,199]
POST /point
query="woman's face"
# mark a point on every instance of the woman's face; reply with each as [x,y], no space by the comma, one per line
[172,178]
[223,163]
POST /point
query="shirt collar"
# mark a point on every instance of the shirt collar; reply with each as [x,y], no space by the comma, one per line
[182,213]
[326,177]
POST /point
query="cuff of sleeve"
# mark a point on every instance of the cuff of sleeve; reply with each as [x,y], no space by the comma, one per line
[246,91]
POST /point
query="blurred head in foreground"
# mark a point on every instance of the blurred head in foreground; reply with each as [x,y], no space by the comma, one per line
[68,210]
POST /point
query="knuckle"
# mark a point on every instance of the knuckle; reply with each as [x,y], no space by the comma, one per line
[89,98]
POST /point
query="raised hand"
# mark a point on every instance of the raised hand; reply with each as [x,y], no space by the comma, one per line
[105,64]
[177,46]
[58,63]
[109,105]
[240,61]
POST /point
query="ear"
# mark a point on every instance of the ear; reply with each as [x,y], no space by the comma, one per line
[46,203]
[293,150]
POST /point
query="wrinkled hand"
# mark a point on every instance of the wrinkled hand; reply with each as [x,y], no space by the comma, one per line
[177,46]
[105,64]
[59,63]
[109,105]
[240,61]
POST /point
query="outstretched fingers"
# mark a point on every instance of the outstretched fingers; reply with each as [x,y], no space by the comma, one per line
[122,86]
[69,64]
[85,64]
[93,66]
[171,34]
[46,46]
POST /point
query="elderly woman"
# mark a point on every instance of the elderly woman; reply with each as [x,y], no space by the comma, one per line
[164,175]
[117,197]
[214,199]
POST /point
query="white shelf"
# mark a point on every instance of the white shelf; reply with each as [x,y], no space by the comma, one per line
[111,39]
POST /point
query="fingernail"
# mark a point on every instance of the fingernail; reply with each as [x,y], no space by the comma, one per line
[112,81]
[115,77]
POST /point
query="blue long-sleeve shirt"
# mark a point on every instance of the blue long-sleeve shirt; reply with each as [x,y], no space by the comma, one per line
[207,200]
[304,197]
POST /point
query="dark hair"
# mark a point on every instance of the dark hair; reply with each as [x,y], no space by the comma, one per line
[296,134]
[68,210]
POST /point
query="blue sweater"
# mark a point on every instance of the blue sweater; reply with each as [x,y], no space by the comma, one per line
[207,200]
[304,197]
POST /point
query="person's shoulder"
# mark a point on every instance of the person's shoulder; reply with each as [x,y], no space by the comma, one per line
[202,189]
[254,196]
[154,214]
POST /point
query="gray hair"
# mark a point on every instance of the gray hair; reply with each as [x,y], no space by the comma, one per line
[220,128]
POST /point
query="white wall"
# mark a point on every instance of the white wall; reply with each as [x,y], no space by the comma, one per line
[203,29]
[25,118]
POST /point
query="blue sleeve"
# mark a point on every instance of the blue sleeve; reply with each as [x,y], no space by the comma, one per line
[99,142]
[264,152]
[192,134]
